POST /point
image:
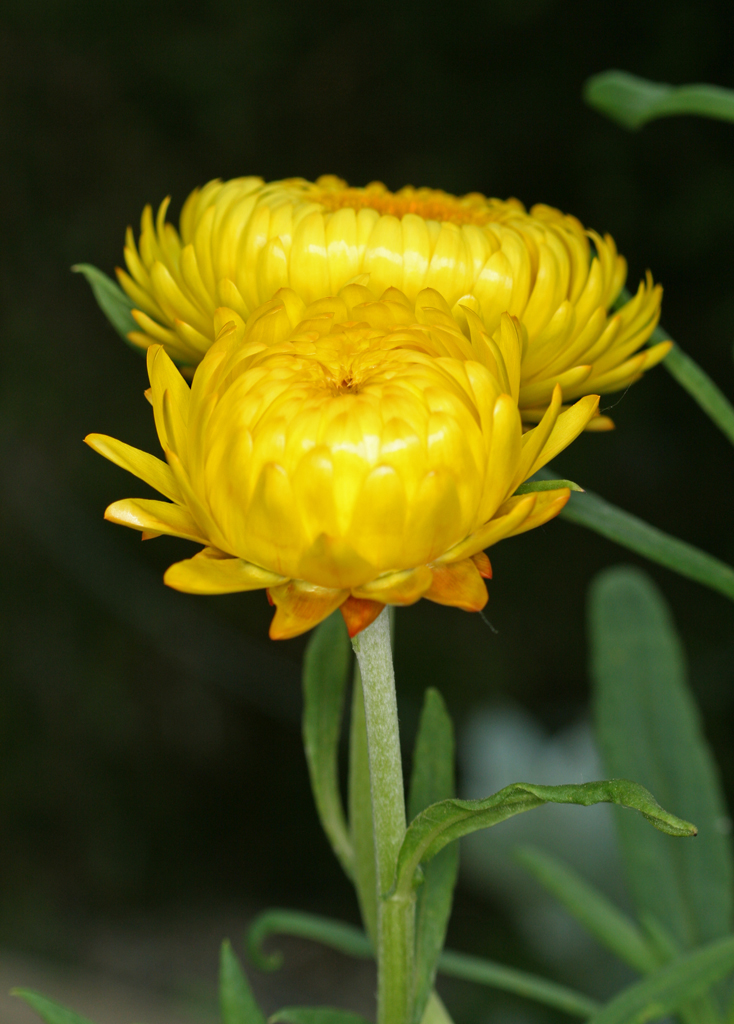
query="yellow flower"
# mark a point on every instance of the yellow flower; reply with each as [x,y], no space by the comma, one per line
[242,240]
[351,453]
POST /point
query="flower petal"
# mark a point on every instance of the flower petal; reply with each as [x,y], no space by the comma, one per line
[548,505]
[155,517]
[359,613]
[401,588]
[300,606]
[508,517]
[141,464]
[459,585]
[207,574]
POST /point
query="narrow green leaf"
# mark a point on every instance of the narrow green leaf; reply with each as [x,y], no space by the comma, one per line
[449,820]
[360,812]
[325,674]
[335,934]
[633,101]
[593,512]
[236,1002]
[47,1009]
[435,1012]
[352,941]
[532,486]
[520,983]
[671,986]
[111,299]
[702,1009]
[432,780]
[648,727]
[699,386]
[591,909]
[692,379]
[316,1015]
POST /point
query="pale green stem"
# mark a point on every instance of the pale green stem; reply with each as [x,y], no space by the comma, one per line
[395,916]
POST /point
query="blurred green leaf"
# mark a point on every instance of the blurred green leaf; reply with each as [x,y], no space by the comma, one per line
[591,909]
[325,675]
[47,1009]
[633,101]
[692,379]
[316,1015]
[335,934]
[532,486]
[593,512]
[449,820]
[352,941]
[435,1012]
[648,727]
[236,1002]
[111,299]
[360,812]
[519,983]
[671,986]
[432,780]
[702,1009]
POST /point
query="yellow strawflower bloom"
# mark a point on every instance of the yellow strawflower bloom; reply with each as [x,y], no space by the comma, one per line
[240,241]
[350,453]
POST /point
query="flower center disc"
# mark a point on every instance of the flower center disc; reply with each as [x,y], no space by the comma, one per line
[431,204]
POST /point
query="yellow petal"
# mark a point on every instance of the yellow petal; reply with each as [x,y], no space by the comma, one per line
[567,428]
[540,391]
[300,606]
[548,505]
[509,516]
[459,585]
[147,467]
[383,257]
[401,588]
[203,574]
[309,266]
[155,517]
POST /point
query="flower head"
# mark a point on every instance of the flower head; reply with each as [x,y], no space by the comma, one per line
[242,240]
[350,453]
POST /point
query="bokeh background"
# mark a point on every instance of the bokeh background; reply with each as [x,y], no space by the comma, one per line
[153,792]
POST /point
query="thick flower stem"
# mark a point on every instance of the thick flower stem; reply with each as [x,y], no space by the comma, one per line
[395,917]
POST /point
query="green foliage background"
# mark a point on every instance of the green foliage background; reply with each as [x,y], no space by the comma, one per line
[148,739]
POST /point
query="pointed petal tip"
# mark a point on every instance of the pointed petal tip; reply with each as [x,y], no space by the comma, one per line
[483,564]
[359,613]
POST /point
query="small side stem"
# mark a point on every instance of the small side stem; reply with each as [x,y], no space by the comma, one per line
[395,916]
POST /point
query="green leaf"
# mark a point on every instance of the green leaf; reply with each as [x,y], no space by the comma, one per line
[335,934]
[316,1015]
[702,1009]
[435,1012]
[111,299]
[432,780]
[520,983]
[360,812]
[47,1009]
[593,512]
[352,941]
[633,101]
[532,486]
[449,820]
[671,986]
[591,909]
[325,674]
[692,379]
[236,1002]
[648,727]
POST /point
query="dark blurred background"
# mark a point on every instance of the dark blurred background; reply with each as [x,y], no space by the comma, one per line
[151,769]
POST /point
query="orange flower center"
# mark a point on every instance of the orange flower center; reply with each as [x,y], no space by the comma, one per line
[431,204]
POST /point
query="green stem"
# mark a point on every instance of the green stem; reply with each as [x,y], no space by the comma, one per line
[395,915]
